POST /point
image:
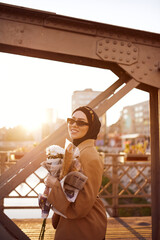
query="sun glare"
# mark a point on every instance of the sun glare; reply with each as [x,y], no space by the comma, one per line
[31,119]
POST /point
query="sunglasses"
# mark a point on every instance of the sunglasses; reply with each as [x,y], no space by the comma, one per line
[79,123]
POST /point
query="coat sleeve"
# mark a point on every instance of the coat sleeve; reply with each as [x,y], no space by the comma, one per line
[92,168]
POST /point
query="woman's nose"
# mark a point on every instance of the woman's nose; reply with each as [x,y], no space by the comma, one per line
[74,124]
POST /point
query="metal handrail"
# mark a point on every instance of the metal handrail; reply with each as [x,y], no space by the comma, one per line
[116,173]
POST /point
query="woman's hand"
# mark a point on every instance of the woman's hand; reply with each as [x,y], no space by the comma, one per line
[50,181]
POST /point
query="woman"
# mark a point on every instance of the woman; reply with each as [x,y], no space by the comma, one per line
[86,217]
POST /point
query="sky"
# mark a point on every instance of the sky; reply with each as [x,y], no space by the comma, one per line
[30,85]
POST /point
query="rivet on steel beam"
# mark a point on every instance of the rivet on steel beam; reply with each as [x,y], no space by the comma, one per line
[105,56]
[128,52]
[114,50]
[99,51]
[127,60]
[132,71]
[100,44]
[121,51]
[140,78]
[137,66]
[143,62]
[134,58]
[20,41]
[107,41]
[113,57]
[150,69]
[145,74]
[120,59]
[114,42]
[122,43]
[135,49]
[106,48]
[129,44]
[148,57]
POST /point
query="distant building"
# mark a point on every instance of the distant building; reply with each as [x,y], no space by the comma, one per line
[133,125]
[82,98]
[50,120]
[136,119]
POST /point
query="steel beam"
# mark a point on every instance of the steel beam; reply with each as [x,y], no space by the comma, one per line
[47,35]
[104,95]
[108,103]
[10,230]
[155,161]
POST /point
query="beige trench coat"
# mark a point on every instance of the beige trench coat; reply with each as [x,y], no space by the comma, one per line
[86,217]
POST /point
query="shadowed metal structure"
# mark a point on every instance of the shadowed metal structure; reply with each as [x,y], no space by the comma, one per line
[134,56]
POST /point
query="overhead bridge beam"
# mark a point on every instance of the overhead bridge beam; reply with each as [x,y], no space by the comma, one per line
[48,35]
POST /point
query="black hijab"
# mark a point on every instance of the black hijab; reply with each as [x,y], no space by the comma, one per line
[94,124]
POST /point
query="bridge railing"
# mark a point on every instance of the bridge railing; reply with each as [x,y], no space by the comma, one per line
[125,185]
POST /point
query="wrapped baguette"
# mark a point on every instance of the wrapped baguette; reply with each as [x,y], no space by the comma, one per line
[67,161]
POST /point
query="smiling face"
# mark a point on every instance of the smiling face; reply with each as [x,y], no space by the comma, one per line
[75,131]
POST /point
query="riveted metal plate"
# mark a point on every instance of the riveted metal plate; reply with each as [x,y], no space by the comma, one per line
[114,50]
[147,67]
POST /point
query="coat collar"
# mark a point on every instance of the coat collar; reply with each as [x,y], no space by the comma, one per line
[86,143]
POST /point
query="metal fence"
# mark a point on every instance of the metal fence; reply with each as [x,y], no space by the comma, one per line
[124,185]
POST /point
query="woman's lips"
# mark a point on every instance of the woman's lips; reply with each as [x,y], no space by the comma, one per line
[74,131]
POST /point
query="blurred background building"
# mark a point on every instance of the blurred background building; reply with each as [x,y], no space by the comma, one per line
[135,119]
[133,126]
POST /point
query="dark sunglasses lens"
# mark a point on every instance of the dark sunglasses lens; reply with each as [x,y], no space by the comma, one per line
[81,123]
[78,122]
[70,121]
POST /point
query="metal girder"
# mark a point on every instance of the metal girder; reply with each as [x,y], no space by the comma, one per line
[9,230]
[48,35]
[108,103]
[139,60]
[155,161]
[104,95]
